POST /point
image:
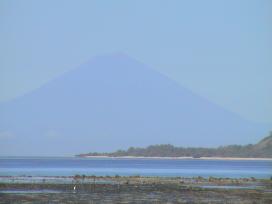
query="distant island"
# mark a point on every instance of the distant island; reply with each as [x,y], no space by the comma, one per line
[262,149]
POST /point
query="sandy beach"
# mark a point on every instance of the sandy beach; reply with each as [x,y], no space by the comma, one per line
[181,158]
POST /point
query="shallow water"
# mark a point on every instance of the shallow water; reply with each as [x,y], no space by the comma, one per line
[229,187]
[43,191]
[127,167]
[50,180]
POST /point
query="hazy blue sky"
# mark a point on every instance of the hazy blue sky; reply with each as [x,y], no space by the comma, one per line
[219,49]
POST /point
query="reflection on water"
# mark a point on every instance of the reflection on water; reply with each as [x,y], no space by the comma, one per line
[50,180]
[43,191]
[129,167]
[229,187]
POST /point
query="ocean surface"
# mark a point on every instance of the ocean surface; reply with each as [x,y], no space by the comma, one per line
[69,166]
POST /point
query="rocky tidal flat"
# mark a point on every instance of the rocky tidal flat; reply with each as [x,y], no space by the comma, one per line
[134,189]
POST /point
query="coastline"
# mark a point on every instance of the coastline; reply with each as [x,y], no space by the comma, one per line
[178,158]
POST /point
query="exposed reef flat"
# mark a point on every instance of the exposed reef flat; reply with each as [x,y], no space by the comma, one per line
[134,189]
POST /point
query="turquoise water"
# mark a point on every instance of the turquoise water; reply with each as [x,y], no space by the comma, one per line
[128,167]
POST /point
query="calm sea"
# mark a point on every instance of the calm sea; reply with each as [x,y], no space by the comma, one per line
[126,167]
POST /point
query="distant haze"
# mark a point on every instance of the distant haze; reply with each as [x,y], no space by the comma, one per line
[112,102]
[219,49]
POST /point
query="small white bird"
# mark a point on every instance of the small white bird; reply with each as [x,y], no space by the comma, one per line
[74,188]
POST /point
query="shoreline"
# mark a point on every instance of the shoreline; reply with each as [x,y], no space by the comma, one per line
[143,157]
[179,158]
[136,179]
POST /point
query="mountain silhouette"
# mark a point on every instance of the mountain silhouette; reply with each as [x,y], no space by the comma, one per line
[113,102]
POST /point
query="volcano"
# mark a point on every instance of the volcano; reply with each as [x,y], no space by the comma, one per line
[112,102]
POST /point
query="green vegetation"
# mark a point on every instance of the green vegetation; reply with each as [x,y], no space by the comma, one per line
[263,149]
